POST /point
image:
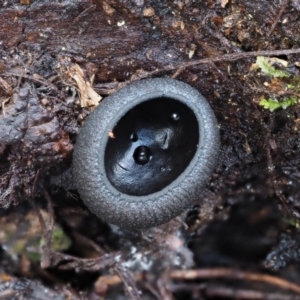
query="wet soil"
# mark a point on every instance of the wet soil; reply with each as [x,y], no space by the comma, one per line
[247,219]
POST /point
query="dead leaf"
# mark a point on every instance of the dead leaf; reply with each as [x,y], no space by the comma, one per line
[87,95]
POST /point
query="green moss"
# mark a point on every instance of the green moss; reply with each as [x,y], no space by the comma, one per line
[268,69]
[19,246]
[291,222]
[290,85]
[33,256]
[60,241]
[273,104]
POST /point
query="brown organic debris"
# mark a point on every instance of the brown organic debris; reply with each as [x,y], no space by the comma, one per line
[74,74]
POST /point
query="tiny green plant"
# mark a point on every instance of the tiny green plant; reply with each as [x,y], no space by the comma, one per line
[60,241]
[273,104]
[267,68]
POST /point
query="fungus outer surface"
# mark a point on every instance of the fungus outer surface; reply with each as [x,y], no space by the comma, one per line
[94,157]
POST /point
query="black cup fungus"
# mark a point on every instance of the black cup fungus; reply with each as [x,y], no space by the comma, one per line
[151,146]
[144,154]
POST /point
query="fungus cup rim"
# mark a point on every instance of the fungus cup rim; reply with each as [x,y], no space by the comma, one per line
[138,212]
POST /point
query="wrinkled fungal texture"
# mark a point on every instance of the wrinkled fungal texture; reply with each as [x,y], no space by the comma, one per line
[152,206]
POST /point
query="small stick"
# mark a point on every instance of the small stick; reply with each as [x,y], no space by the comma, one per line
[281,11]
[129,282]
[234,274]
[229,57]
[226,57]
[38,80]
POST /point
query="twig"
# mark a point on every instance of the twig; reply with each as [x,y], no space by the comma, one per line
[106,88]
[89,242]
[228,57]
[242,294]
[234,274]
[129,282]
[152,290]
[38,80]
[281,11]
[223,40]
[47,235]
[163,286]
[112,280]
[39,215]
[84,13]
[214,290]
[68,262]
[50,210]
[3,102]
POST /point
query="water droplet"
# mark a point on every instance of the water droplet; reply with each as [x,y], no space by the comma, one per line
[175,116]
[248,186]
[134,137]
[142,155]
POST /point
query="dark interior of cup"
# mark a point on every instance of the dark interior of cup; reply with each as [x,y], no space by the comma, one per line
[150,146]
